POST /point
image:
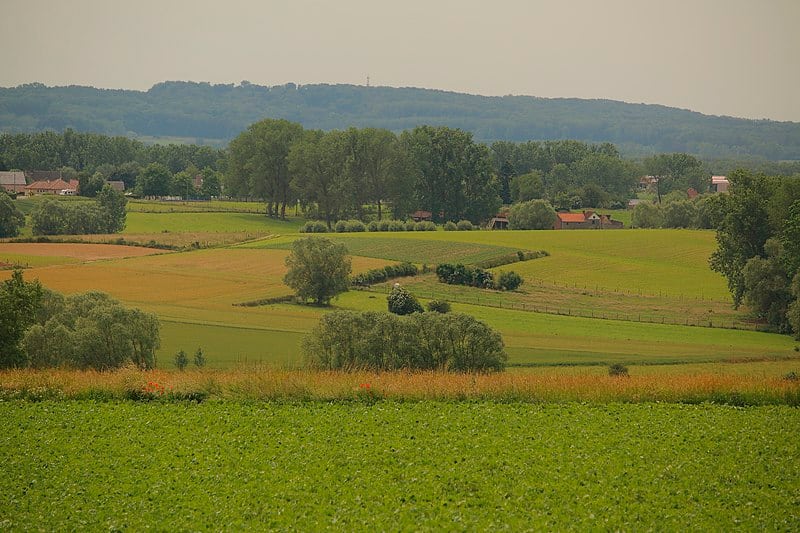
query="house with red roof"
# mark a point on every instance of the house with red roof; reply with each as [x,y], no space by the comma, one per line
[57,186]
[586,220]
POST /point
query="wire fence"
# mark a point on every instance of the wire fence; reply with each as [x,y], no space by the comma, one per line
[501,301]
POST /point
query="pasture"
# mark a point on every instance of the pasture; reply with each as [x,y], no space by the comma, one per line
[616,282]
[438,465]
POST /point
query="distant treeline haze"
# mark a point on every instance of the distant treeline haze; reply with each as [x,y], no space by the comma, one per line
[209,114]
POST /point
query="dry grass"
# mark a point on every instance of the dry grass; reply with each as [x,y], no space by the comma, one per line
[304,385]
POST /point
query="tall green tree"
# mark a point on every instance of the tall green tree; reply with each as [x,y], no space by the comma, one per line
[154,180]
[19,304]
[318,163]
[319,269]
[676,171]
[258,162]
[452,174]
[113,204]
[11,218]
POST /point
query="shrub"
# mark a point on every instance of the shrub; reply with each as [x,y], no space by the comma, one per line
[199,358]
[355,226]
[314,226]
[534,214]
[464,225]
[425,225]
[458,274]
[181,360]
[509,281]
[402,302]
[373,226]
[384,225]
[438,306]
[377,275]
[618,370]
[450,226]
[454,342]
[397,225]
[409,225]
[340,226]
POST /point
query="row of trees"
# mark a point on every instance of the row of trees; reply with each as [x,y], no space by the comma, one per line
[40,328]
[118,158]
[758,247]
[438,169]
[106,215]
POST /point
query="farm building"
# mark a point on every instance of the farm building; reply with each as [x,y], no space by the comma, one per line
[420,216]
[586,220]
[57,186]
[13,182]
[118,186]
[499,222]
[719,184]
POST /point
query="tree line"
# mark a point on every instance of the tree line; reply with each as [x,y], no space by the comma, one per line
[217,113]
[758,247]
[40,328]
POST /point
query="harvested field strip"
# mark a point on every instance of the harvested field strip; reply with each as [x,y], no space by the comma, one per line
[82,252]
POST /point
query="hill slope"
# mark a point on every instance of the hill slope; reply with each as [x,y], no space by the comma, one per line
[219,112]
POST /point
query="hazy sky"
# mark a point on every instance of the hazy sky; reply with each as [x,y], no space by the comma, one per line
[722,57]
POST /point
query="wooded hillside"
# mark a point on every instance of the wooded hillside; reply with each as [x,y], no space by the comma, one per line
[214,114]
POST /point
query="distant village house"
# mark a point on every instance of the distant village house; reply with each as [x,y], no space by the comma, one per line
[13,182]
[719,184]
[586,220]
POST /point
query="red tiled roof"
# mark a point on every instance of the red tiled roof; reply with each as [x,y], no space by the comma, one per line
[56,185]
[571,217]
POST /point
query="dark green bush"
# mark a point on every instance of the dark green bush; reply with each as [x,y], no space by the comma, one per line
[509,281]
[458,274]
[464,225]
[373,226]
[355,226]
[402,302]
[377,275]
[450,226]
[438,306]
[347,340]
[618,370]
[424,225]
[314,226]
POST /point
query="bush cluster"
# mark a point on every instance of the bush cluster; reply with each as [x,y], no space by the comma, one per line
[348,340]
[106,215]
[314,226]
[377,275]
[350,226]
[458,274]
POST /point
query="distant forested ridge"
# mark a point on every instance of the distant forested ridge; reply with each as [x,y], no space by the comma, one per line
[205,113]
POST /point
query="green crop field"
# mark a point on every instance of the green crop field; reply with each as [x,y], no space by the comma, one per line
[411,250]
[178,222]
[397,466]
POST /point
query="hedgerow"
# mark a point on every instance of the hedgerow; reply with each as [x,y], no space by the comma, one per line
[377,275]
[348,340]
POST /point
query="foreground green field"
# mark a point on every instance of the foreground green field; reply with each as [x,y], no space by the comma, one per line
[397,466]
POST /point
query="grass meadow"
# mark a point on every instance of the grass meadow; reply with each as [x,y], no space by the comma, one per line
[591,302]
